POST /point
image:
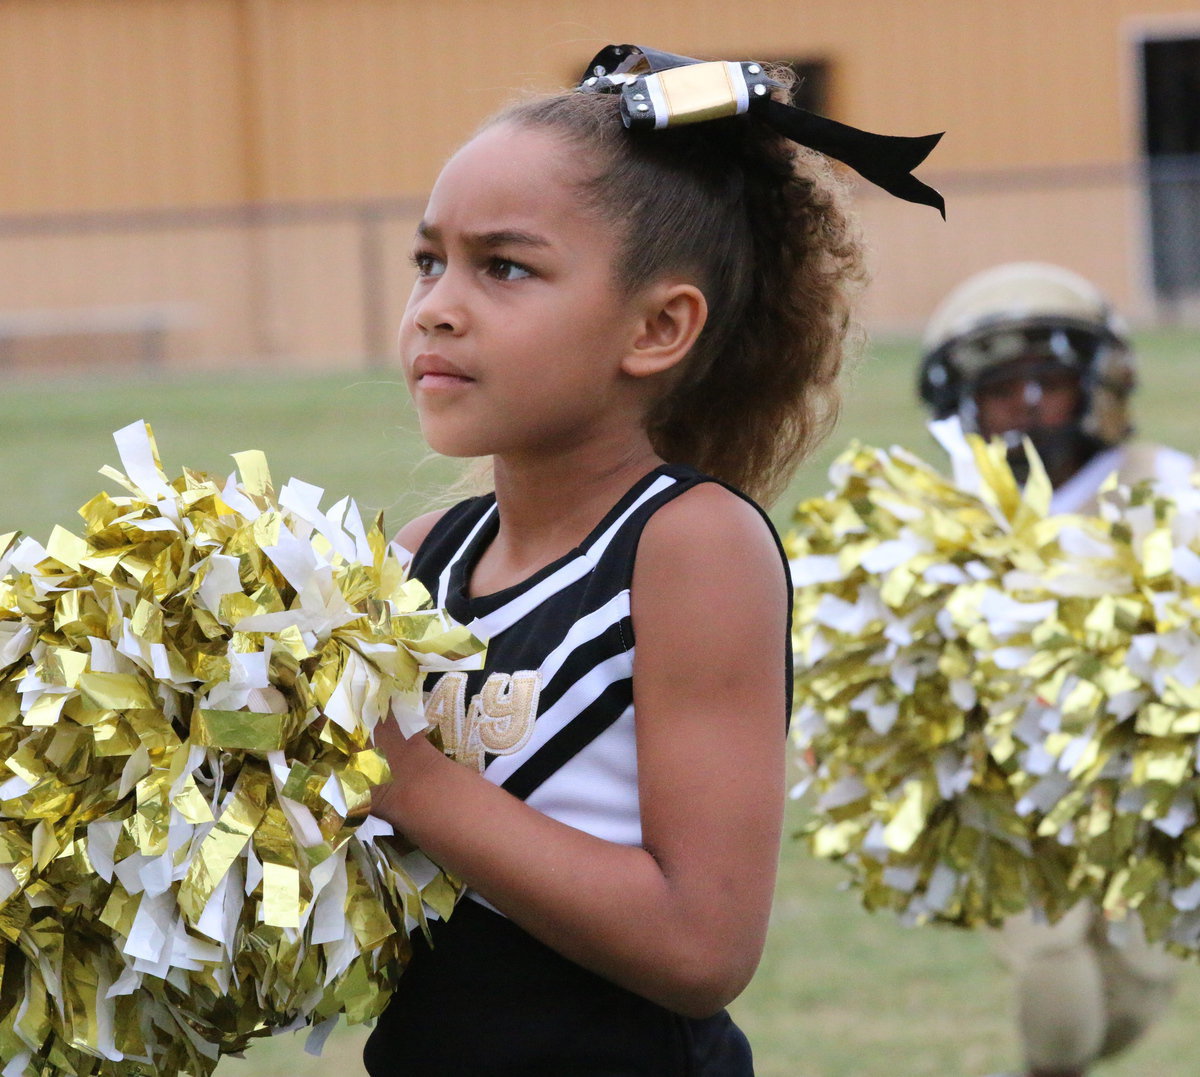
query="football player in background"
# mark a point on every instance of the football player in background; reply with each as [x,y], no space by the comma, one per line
[1033,351]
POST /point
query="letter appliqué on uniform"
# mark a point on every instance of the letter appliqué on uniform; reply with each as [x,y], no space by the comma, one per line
[499,720]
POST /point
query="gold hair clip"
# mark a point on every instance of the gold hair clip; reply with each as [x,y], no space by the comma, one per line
[693,93]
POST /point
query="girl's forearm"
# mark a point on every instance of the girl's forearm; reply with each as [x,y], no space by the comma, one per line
[679,941]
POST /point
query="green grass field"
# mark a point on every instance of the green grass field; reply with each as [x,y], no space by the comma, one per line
[840,993]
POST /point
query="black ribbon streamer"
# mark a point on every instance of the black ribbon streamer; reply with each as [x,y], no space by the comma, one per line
[884,160]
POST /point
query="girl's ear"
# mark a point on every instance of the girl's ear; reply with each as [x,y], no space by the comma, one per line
[672,314]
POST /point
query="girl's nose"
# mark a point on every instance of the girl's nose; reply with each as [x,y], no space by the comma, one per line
[439,308]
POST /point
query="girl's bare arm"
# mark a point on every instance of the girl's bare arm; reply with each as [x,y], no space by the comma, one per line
[682,919]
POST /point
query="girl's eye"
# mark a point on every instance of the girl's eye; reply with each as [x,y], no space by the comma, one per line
[503,269]
[428,265]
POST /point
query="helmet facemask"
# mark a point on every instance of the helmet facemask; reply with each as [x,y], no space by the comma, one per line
[1035,382]
[1036,328]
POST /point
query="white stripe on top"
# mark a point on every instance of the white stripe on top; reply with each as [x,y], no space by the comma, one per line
[585,629]
[597,791]
[509,614]
[578,697]
[444,578]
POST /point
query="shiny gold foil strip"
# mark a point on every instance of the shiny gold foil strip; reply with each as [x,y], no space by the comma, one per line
[246,731]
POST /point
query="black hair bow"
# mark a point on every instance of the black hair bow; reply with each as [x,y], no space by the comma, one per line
[660,89]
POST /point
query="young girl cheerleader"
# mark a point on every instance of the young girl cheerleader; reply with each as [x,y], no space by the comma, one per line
[636,324]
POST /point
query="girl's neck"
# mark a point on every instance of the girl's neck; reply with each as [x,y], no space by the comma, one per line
[540,496]
[549,506]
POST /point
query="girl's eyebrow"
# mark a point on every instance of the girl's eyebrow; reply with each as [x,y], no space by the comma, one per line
[505,237]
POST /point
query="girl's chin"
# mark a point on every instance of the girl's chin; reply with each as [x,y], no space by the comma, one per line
[458,446]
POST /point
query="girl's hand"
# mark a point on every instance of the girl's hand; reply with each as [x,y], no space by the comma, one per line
[408,758]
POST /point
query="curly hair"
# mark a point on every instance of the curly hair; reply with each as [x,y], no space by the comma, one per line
[762,227]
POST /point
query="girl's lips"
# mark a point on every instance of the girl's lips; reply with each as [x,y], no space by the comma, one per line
[442,381]
[437,372]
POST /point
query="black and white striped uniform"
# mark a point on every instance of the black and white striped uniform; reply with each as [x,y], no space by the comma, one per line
[489,999]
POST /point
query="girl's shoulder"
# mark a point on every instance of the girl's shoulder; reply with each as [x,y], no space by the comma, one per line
[416,531]
[710,530]
[711,600]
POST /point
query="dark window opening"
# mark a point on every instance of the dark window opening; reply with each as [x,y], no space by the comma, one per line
[1172,80]
[1171,144]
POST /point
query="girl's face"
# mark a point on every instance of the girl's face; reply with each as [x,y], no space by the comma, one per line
[513,336]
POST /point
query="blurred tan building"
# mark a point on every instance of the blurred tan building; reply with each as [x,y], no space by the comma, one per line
[215,180]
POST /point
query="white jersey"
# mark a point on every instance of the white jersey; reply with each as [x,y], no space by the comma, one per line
[1131,462]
